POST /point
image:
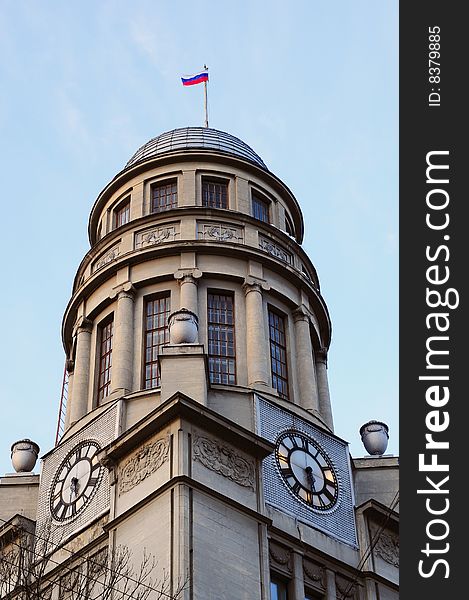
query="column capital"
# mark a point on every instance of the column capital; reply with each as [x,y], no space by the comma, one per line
[83,325]
[253,284]
[321,355]
[188,275]
[299,314]
[124,290]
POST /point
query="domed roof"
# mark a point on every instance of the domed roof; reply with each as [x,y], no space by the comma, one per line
[192,138]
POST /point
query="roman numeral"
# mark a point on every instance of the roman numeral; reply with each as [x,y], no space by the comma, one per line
[296,487]
[92,481]
[286,472]
[328,495]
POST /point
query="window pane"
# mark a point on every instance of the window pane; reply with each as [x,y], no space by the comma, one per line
[164,196]
[278,355]
[278,590]
[122,214]
[214,194]
[221,339]
[105,360]
[156,336]
[260,209]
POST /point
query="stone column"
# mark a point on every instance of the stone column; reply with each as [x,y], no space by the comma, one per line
[323,388]
[188,295]
[296,587]
[331,593]
[257,344]
[307,384]
[81,374]
[123,340]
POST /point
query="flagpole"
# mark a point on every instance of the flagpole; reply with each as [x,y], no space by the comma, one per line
[205,100]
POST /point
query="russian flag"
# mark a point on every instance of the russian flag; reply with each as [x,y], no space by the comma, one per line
[193,79]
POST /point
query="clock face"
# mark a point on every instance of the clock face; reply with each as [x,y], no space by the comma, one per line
[75,481]
[307,470]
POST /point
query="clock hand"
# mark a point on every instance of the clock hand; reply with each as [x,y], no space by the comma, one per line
[310,477]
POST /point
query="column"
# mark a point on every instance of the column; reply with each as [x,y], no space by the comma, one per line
[331,593]
[307,385]
[257,344]
[323,388]
[188,296]
[81,375]
[296,587]
[123,340]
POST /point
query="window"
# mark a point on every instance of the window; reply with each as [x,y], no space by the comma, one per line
[214,193]
[156,336]
[289,226]
[164,196]
[278,353]
[122,213]
[105,360]
[221,338]
[260,209]
[278,590]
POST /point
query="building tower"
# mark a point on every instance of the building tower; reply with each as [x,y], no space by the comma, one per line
[198,422]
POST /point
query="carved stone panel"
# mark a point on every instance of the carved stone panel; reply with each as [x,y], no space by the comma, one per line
[147,460]
[108,257]
[346,588]
[275,250]
[224,460]
[387,546]
[280,557]
[220,232]
[156,235]
[315,574]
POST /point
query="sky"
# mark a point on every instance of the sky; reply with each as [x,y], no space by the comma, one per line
[311,86]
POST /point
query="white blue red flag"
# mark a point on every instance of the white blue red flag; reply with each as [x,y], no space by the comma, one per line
[193,79]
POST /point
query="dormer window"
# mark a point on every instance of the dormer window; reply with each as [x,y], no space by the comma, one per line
[164,196]
[260,208]
[122,213]
[214,193]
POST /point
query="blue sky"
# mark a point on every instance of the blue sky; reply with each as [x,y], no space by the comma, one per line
[311,86]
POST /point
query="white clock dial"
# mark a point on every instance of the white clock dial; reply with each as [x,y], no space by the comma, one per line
[306,470]
[76,481]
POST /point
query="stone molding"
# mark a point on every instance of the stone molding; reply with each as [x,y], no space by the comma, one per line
[145,462]
[299,314]
[224,460]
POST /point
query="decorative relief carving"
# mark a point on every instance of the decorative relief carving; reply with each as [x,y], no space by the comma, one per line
[281,557]
[224,460]
[387,548]
[107,258]
[315,573]
[147,460]
[155,236]
[345,588]
[220,232]
[275,250]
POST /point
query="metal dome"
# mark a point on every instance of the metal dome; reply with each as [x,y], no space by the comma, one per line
[191,138]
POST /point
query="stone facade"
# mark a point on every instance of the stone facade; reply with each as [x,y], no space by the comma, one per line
[185,453]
